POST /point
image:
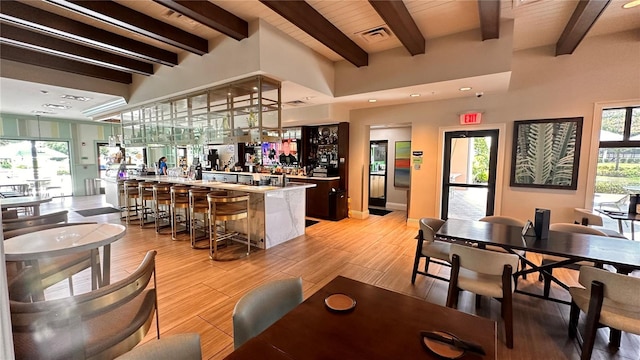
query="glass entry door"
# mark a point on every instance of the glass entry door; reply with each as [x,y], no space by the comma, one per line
[378,173]
[469,174]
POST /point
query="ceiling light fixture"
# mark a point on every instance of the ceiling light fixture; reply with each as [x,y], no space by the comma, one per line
[414,95]
[466,88]
[42,112]
[77,98]
[631,4]
[372,100]
[56,106]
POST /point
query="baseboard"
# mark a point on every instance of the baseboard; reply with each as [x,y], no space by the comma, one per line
[359,214]
[413,223]
[396,206]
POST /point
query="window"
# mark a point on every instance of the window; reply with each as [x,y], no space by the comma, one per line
[618,172]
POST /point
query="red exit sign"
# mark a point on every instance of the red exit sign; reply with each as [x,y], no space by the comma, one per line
[470,118]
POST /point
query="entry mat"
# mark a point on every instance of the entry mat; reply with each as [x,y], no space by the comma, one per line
[97,211]
[308,222]
[379,212]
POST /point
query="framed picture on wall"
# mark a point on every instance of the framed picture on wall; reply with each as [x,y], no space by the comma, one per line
[546,153]
[402,164]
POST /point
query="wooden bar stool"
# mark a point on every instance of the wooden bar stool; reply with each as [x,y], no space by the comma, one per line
[161,204]
[225,208]
[179,200]
[131,193]
[198,204]
[145,191]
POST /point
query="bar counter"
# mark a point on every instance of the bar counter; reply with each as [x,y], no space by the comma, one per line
[277,213]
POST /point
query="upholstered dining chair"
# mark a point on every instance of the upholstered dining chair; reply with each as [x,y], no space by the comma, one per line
[549,259]
[100,324]
[607,299]
[587,217]
[507,220]
[262,306]
[484,273]
[430,249]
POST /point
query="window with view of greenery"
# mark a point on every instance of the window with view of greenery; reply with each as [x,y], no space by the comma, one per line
[618,169]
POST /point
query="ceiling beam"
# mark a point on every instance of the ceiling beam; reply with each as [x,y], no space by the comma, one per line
[25,56]
[583,18]
[43,21]
[23,38]
[210,15]
[305,17]
[396,15]
[489,11]
[123,17]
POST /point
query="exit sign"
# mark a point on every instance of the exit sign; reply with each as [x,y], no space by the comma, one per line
[470,118]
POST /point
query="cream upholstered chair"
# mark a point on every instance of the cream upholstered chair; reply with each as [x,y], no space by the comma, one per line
[587,217]
[608,299]
[549,259]
[262,306]
[507,220]
[429,248]
[487,273]
[179,346]
[100,324]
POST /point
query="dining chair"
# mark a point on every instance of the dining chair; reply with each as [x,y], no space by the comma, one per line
[550,259]
[484,273]
[29,221]
[507,220]
[178,346]
[607,299]
[262,306]
[587,217]
[100,324]
[430,249]
[52,270]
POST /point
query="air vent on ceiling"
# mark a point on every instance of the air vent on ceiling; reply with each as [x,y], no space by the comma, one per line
[296,103]
[377,34]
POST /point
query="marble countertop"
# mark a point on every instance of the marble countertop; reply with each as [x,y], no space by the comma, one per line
[278,175]
[262,189]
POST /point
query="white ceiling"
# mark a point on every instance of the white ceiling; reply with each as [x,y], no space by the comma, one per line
[536,23]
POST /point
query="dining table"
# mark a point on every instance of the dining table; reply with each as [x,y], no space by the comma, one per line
[379,324]
[19,187]
[621,216]
[30,247]
[622,254]
[32,202]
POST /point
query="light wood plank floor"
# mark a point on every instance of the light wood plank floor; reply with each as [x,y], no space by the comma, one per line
[198,295]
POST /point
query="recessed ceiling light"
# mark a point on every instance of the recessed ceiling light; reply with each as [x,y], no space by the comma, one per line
[56,106]
[42,112]
[414,95]
[466,88]
[631,4]
[372,100]
[77,98]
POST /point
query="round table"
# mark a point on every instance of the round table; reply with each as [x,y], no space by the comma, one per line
[67,240]
[25,201]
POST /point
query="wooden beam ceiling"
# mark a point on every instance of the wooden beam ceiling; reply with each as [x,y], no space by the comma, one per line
[210,15]
[396,15]
[583,18]
[305,17]
[48,23]
[123,17]
[489,11]
[26,56]
[38,42]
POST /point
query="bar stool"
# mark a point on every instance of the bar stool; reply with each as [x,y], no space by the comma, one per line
[225,208]
[161,204]
[122,199]
[198,204]
[145,191]
[131,193]
[179,200]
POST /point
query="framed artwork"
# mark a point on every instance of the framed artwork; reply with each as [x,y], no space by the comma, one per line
[546,153]
[402,164]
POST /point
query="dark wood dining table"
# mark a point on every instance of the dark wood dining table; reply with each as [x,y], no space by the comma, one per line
[621,216]
[382,325]
[623,254]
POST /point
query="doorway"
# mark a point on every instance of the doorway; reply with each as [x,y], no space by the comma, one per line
[469,174]
[378,173]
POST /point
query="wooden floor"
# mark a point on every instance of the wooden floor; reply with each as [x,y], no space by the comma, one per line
[198,295]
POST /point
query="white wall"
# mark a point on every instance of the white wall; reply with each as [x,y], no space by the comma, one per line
[543,86]
[396,197]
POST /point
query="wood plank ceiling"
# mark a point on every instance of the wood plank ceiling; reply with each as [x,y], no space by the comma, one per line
[108,40]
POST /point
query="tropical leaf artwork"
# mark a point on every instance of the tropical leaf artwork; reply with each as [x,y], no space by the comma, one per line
[545,153]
